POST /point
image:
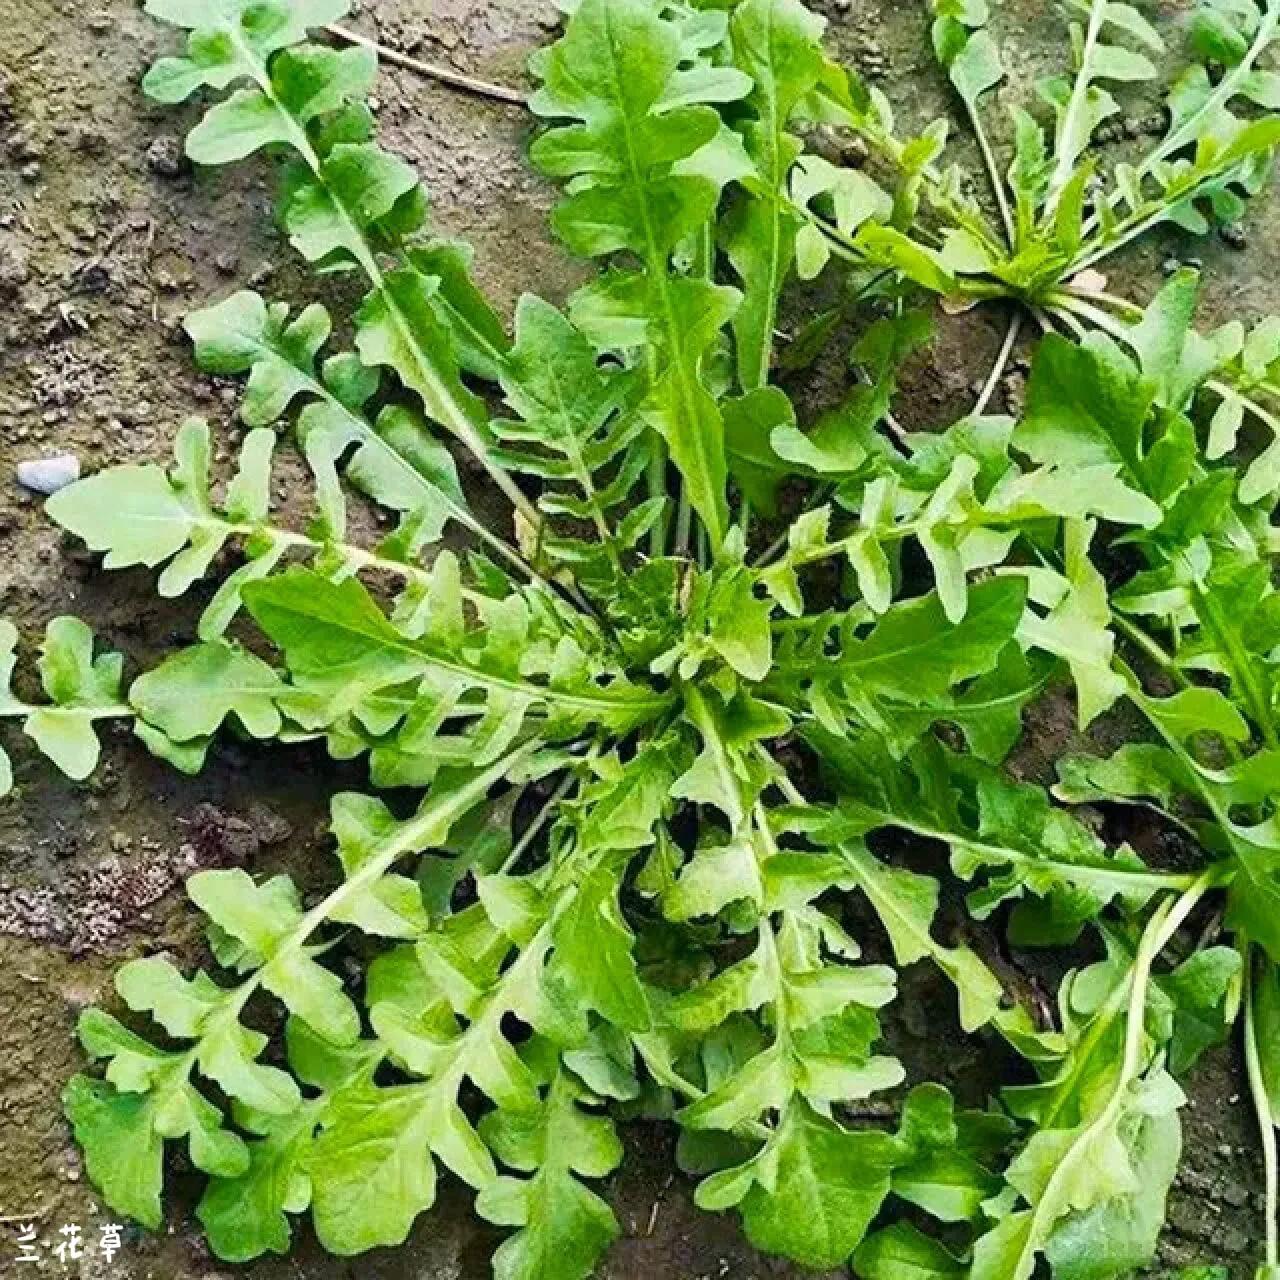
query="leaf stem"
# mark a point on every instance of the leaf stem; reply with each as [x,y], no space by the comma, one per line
[370,439]
[998,368]
[454,419]
[700,715]
[1226,88]
[993,170]
[598,703]
[1065,159]
[1067,304]
[1161,928]
[1146,216]
[656,483]
[1240,668]
[782,1037]
[1139,698]
[841,546]
[1076,305]
[1165,661]
[930,183]
[356,557]
[684,522]
[1262,1106]
[1128,229]
[1152,648]
[1131,310]
[106,711]
[1118,877]
[486,1019]
[532,831]
[403,839]
[842,245]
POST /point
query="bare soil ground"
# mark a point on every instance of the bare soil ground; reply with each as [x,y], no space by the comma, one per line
[106,239]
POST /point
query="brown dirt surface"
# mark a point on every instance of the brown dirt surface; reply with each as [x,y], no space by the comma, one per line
[107,238]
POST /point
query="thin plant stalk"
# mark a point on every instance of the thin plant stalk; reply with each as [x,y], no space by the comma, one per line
[433,71]
[1076,104]
[993,172]
[1262,1108]
[1000,365]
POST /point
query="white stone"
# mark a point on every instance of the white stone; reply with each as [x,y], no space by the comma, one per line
[48,475]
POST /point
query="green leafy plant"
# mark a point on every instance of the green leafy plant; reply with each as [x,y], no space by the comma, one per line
[659,755]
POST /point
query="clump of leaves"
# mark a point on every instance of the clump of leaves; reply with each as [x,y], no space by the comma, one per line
[655,752]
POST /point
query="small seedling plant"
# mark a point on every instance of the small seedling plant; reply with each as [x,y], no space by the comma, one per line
[721,667]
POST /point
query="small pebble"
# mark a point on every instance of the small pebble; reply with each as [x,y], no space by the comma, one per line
[165,156]
[48,475]
[1234,1240]
[1235,1194]
[1233,236]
